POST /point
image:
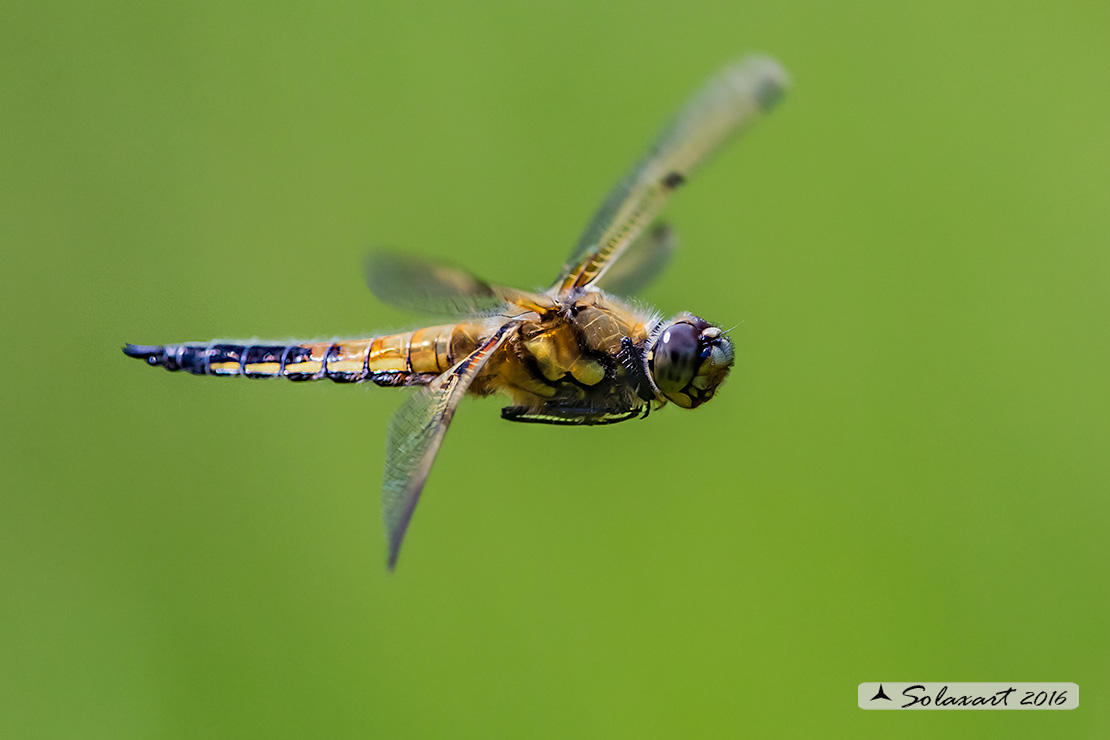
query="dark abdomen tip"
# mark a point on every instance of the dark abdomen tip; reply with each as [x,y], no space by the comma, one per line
[151,354]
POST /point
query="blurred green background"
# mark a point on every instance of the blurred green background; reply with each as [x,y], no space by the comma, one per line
[905,479]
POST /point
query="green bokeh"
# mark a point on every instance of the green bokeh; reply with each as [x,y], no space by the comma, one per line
[906,478]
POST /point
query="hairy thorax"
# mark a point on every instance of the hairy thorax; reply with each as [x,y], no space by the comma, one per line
[572,355]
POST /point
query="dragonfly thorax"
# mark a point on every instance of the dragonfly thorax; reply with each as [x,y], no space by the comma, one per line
[689,360]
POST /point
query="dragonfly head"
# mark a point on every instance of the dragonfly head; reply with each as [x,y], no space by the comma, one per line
[689,360]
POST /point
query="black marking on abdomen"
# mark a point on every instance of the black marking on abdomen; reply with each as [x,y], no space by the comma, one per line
[265,353]
[224,359]
[335,375]
[192,358]
[293,355]
[400,378]
[389,378]
[220,354]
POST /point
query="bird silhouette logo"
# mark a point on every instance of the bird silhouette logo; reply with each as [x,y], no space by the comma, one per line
[881,695]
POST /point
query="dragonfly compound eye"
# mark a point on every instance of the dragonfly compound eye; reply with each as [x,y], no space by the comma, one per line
[690,360]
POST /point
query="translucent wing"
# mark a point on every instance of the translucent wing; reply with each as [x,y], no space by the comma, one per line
[728,104]
[415,434]
[430,287]
[646,257]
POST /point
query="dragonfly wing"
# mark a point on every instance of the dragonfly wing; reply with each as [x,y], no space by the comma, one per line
[415,434]
[644,260]
[739,95]
[423,285]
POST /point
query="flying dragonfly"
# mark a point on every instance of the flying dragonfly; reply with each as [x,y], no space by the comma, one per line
[575,354]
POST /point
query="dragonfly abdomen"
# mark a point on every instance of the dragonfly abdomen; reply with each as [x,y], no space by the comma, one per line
[408,358]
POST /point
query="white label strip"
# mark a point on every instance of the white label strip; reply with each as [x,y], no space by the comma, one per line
[943,695]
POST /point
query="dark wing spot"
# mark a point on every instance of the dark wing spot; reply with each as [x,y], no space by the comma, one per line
[769,93]
[673,180]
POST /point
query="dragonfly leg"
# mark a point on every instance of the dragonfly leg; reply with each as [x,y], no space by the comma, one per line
[569,415]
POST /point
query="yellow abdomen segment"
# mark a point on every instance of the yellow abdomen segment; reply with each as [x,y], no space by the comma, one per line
[412,357]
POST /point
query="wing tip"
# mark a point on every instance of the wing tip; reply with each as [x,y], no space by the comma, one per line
[762,77]
[395,529]
[395,539]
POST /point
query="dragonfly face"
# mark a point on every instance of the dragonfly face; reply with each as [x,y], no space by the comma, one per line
[689,361]
[573,355]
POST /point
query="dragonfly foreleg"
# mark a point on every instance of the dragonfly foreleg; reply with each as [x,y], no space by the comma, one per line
[571,416]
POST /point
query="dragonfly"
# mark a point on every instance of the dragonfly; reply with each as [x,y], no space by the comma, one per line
[577,354]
